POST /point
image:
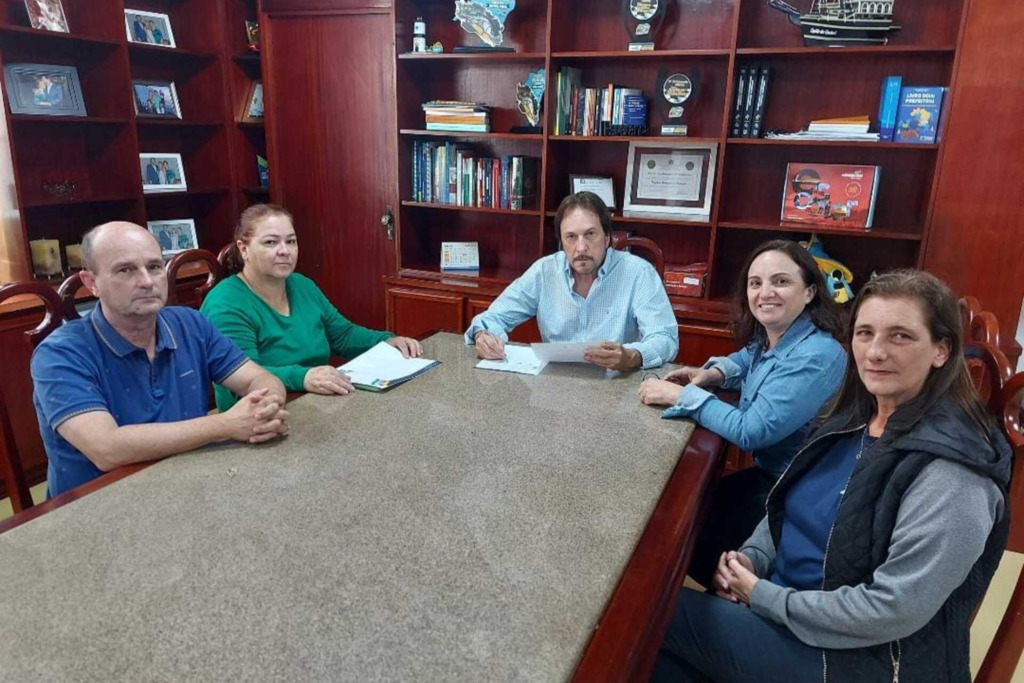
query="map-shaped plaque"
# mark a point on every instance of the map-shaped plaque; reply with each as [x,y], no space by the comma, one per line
[484,18]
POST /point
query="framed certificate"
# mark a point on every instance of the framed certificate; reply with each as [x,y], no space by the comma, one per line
[670,180]
[600,185]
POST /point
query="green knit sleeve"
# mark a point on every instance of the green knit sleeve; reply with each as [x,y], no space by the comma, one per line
[347,339]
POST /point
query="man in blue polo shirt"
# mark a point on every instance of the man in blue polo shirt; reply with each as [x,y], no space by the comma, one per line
[130,381]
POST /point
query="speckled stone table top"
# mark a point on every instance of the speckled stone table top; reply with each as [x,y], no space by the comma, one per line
[466,526]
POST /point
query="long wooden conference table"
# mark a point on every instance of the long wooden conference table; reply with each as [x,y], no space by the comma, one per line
[466,526]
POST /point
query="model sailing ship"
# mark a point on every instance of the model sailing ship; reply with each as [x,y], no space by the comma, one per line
[842,22]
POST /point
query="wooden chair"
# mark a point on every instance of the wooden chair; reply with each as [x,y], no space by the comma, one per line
[978,325]
[68,293]
[1005,651]
[215,273]
[990,370]
[222,258]
[10,461]
[653,252]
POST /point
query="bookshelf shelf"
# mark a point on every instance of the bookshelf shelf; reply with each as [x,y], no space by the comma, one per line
[473,56]
[251,124]
[247,59]
[69,120]
[177,123]
[647,220]
[873,50]
[52,38]
[481,136]
[831,143]
[628,138]
[148,53]
[256,190]
[80,201]
[642,55]
[874,233]
[470,209]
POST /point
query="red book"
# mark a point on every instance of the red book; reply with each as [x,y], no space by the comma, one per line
[838,195]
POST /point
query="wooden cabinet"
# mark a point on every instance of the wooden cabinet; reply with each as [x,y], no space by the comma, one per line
[412,313]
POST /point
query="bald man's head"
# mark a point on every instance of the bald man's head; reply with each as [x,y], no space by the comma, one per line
[124,268]
[108,234]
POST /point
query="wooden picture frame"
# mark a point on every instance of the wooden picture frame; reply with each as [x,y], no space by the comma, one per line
[145,96]
[47,15]
[44,89]
[670,180]
[149,28]
[162,173]
[174,236]
[253,110]
[602,186]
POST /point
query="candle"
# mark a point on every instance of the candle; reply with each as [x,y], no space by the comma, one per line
[46,257]
[74,252]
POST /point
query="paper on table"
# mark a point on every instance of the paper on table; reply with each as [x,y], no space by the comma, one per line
[519,359]
[383,366]
[562,352]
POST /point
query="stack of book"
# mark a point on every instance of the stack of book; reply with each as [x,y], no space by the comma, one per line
[748,105]
[608,111]
[447,173]
[843,128]
[457,117]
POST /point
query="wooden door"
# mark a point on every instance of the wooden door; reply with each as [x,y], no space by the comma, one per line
[332,144]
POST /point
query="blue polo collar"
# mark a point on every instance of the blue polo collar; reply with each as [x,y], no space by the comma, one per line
[120,346]
[798,330]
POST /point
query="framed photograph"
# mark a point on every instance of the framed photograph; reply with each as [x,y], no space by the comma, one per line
[47,89]
[174,236]
[47,15]
[156,99]
[254,103]
[672,180]
[602,186]
[148,28]
[162,173]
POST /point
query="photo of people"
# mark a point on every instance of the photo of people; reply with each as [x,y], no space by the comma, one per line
[174,236]
[156,98]
[52,90]
[47,15]
[162,173]
[150,28]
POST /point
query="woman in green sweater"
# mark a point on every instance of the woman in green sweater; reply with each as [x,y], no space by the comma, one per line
[281,319]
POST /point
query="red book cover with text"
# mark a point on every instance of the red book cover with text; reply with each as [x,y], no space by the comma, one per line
[838,195]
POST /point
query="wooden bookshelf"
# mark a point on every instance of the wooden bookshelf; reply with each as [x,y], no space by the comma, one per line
[713,40]
[99,152]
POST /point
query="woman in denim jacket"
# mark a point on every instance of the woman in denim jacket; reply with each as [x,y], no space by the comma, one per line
[789,365]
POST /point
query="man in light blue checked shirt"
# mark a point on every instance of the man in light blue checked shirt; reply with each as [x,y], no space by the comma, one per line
[586,293]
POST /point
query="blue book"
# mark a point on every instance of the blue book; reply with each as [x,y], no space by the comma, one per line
[635,112]
[888,103]
[917,119]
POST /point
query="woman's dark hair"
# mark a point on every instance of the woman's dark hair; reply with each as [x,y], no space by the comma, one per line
[246,228]
[942,317]
[588,201]
[823,311]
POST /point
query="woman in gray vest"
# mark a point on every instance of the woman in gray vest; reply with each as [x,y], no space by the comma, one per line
[882,535]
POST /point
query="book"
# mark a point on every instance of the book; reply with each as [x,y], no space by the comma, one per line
[738,101]
[461,127]
[763,81]
[383,367]
[887,106]
[748,102]
[839,195]
[917,119]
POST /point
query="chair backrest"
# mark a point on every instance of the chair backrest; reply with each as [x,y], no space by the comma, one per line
[222,258]
[1003,654]
[969,307]
[990,370]
[653,252]
[214,272]
[68,293]
[978,325]
[10,461]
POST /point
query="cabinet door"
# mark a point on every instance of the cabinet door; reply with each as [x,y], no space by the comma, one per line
[332,144]
[411,313]
[525,333]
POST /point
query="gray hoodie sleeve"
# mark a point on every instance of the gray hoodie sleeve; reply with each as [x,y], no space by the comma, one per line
[941,528]
[760,549]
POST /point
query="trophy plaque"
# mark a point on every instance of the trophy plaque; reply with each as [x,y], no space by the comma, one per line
[484,18]
[643,19]
[530,96]
[675,90]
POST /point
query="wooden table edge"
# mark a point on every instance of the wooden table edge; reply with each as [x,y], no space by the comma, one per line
[626,640]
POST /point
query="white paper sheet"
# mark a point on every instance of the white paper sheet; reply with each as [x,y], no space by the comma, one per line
[383,365]
[519,359]
[562,352]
